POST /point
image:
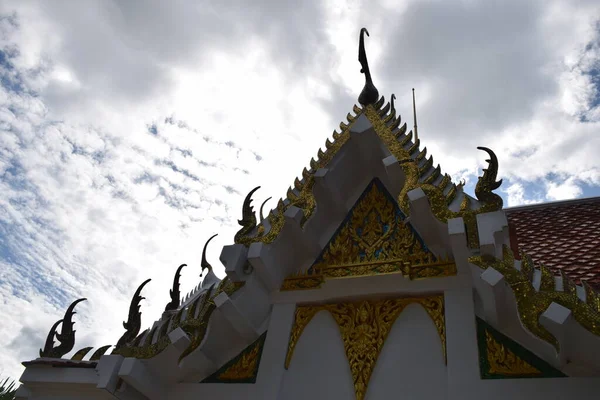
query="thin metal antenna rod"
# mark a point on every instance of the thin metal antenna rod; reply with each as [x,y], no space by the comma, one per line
[415,117]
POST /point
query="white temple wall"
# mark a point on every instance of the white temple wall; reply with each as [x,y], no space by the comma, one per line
[411,362]
[270,372]
[319,369]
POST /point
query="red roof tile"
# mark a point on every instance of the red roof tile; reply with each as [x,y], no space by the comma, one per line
[562,235]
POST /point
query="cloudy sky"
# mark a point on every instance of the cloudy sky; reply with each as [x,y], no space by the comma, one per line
[131,131]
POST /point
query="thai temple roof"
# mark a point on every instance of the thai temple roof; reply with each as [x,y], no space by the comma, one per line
[372,205]
[563,235]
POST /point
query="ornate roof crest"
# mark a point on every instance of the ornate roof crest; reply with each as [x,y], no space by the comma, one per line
[369,94]
[174,293]
[487,182]
[134,320]
[248,221]
[66,337]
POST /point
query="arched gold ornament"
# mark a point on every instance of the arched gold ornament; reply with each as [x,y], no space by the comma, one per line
[364,327]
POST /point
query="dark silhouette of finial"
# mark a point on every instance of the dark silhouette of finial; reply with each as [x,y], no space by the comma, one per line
[174,293]
[261,208]
[248,221]
[134,319]
[487,182]
[369,94]
[393,110]
[66,337]
[205,264]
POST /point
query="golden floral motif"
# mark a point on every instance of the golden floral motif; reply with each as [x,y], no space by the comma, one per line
[547,282]
[302,317]
[373,240]
[435,194]
[502,361]
[374,232]
[432,269]
[364,327]
[592,298]
[532,303]
[245,367]
[303,282]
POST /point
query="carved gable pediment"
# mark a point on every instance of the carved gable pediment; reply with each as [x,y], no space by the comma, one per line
[374,238]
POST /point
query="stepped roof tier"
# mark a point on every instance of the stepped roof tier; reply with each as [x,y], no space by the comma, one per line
[376,274]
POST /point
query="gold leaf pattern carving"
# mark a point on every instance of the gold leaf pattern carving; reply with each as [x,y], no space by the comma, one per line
[532,303]
[502,361]
[373,233]
[364,327]
[373,240]
[245,367]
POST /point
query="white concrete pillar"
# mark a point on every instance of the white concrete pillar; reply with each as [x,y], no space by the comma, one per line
[234,258]
[271,370]
[461,343]
[135,373]
[556,319]
[493,295]
[235,318]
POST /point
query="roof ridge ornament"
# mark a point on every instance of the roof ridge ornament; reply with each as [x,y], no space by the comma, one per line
[248,221]
[369,94]
[487,182]
[134,319]
[174,293]
[205,264]
[66,337]
[261,208]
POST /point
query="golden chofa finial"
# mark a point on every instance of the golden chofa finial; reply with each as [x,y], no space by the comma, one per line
[369,94]
[415,116]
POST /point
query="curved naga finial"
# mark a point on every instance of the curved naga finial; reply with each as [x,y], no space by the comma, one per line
[261,208]
[487,182]
[369,94]
[393,109]
[174,293]
[66,337]
[205,264]
[248,221]
[134,319]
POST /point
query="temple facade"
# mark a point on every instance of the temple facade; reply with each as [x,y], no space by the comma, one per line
[376,277]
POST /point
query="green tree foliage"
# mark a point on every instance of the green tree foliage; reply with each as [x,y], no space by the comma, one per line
[7,390]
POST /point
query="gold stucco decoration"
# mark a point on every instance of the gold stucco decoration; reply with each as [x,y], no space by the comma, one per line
[246,365]
[302,282]
[374,231]
[502,361]
[438,201]
[364,327]
[531,303]
[386,127]
[374,239]
[421,269]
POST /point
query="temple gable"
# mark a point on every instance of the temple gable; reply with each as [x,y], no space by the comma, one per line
[375,277]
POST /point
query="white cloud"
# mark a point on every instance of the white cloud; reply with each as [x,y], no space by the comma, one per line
[517,196]
[93,203]
[565,190]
